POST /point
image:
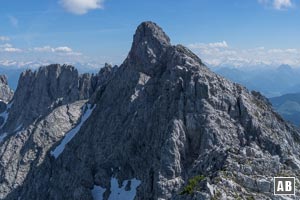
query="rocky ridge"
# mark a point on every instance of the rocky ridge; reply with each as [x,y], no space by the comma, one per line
[47,104]
[162,118]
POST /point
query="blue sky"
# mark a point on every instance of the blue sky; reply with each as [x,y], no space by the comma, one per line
[90,32]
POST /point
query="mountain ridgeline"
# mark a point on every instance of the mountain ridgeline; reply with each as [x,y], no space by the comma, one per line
[159,126]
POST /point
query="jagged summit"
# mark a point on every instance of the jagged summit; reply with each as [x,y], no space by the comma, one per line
[150,43]
[150,32]
[42,90]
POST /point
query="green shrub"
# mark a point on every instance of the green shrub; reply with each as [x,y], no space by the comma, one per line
[192,185]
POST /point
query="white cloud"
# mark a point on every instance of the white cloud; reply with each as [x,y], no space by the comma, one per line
[280,4]
[19,64]
[44,49]
[12,50]
[5,45]
[216,55]
[60,50]
[212,45]
[81,7]
[9,48]
[10,56]
[277,4]
[4,38]
[63,49]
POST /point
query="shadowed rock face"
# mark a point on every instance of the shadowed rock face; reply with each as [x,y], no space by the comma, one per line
[149,46]
[163,118]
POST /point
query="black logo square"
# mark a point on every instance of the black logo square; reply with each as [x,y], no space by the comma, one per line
[284,185]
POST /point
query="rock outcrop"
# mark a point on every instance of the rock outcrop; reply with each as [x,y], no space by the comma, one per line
[6,93]
[162,124]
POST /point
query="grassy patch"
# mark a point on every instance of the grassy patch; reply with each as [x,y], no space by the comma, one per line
[192,185]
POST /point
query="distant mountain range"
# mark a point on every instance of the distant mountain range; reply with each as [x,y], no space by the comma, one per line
[271,82]
[288,106]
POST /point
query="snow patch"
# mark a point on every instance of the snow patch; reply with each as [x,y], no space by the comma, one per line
[211,188]
[140,86]
[117,193]
[69,136]
[135,95]
[120,193]
[97,192]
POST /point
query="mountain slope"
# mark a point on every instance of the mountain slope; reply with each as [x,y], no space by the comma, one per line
[165,127]
[288,106]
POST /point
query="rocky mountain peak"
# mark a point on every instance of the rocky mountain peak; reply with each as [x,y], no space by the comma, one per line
[151,32]
[150,43]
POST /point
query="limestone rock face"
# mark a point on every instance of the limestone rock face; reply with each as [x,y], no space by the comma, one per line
[25,150]
[48,103]
[162,118]
[6,93]
[40,91]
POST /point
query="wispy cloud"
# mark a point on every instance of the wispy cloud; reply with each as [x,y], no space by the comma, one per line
[4,38]
[215,54]
[9,48]
[80,7]
[280,4]
[277,4]
[62,50]
[11,56]
[212,45]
